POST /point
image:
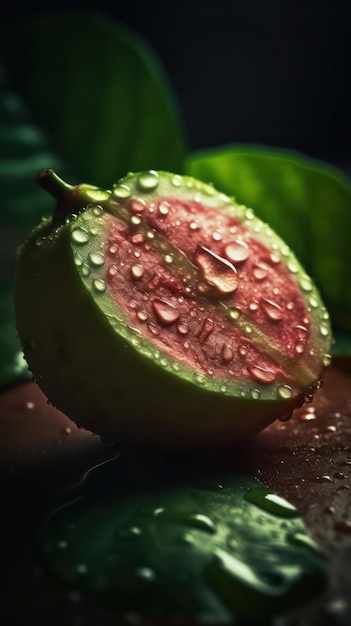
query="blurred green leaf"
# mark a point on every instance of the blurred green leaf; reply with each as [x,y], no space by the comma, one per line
[307,202]
[156,539]
[97,92]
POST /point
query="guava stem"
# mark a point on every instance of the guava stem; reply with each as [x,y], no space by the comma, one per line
[51,182]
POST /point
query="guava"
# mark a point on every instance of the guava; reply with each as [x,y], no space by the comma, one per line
[162,312]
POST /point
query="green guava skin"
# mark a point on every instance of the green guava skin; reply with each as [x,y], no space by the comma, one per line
[94,375]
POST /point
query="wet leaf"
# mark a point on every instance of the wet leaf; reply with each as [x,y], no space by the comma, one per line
[305,201]
[160,542]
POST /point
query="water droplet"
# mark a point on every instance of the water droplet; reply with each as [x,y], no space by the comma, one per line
[99,285]
[183,329]
[201,521]
[193,226]
[85,270]
[167,312]
[148,181]
[272,310]
[217,271]
[271,502]
[234,313]
[169,259]
[137,271]
[121,191]
[206,329]
[113,248]
[176,180]
[227,353]
[29,405]
[138,239]
[129,532]
[255,394]
[285,392]
[262,374]
[305,283]
[253,306]
[324,330]
[326,360]
[163,207]
[80,236]
[216,236]
[313,302]
[291,265]
[260,271]
[97,259]
[300,347]
[237,251]
[137,206]
[135,220]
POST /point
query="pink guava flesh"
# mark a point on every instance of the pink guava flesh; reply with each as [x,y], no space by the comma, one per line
[206,291]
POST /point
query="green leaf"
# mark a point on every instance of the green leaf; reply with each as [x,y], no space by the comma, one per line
[305,201]
[153,539]
[97,92]
[12,364]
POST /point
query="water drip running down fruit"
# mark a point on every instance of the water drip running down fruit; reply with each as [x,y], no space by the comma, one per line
[162,312]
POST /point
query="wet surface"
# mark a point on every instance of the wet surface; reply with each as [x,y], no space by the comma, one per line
[307,460]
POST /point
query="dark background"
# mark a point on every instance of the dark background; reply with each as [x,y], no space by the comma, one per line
[270,72]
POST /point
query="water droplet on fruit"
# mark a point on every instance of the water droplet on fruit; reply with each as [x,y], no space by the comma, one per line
[99,285]
[206,329]
[272,310]
[168,259]
[234,313]
[237,251]
[183,329]
[136,220]
[137,206]
[326,360]
[253,306]
[262,374]
[255,394]
[113,248]
[142,316]
[137,271]
[121,191]
[324,330]
[291,265]
[138,239]
[148,181]
[176,180]
[227,353]
[78,260]
[167,312]
[163,208]
[97,259]
[300,347]
[313,302]
[193,226]
[216,236]
[80,236]
[217,271]
[85,270]
[260,271]
[285,392]
[305,283]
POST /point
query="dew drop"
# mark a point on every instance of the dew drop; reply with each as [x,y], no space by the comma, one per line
[237,251]
[272,310]
[234,313]
[216,236]
[80,236]
[326,360]
[217,271]
[168,259]
[99,285]
[285,392]
[167,312]
[163,208]
[193,226]
[305,283]
[262,374]
[206,329]
[121,191]
[142,316]
[136,220]
[148,181]
[183,329]
[324,330]
[113,248]
[176,180]
[300,347]
[227,353]
[97,259]
[313,302]
[137,271]
[253,306]
[137,206]
[255,394]
[85,269]
[291,265]
[260,271]
[138,239]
